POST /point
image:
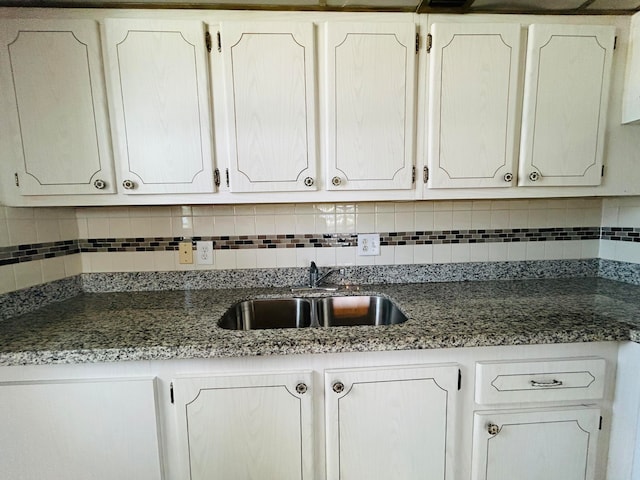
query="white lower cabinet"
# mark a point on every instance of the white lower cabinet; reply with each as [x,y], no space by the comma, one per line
[394,422]
[246,426]
[79,429]
[549,444]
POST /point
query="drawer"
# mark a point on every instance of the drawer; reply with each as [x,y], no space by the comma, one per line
[540,380]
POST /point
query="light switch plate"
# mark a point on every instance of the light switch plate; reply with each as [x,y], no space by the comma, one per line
[204,252]
[368,244]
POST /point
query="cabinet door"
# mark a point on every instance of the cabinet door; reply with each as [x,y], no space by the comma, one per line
[246,427]
[370,105]
[631,95]
[565,104]
[53,88]
[158,78]
[473,95]
[270,87]
[539,444]
[392,422]
[76,430]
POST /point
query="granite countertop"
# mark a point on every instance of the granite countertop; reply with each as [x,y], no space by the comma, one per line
[96,327]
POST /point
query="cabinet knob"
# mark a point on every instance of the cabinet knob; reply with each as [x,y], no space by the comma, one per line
[308,181]
[508,177]
[534,176]
[301,388]
[336,181]
[100,184]
[338,387]
[493,429]
[129,184]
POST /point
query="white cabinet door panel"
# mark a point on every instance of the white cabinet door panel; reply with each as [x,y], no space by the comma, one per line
[160,105]
[549,444]
[270,86]
[473,100]
[566,95]
[246,427]
[78,430]
[53,79]
[394,422]
[370,105]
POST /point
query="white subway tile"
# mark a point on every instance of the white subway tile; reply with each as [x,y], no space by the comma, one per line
[442,253]
[285,224]
[460,205]
[607,250]
[345,222]
[28,274]
[265,224]
[365,207]
[164,261]
[518,218]
[286,257]
[7,279]
[245,225]
[266,258]
[423,254]
[385,222]
[242,210]
[516,251]
[405,221]
[246,258]
[424,206]
[403,254]
[98,227]
[423,221]
[386,257]
[22,231]
[161,227]
[498,252]
[479,252]
[304,256]
[461,220]
[4,234]
[365,222]
[224,259]
[481,219]
[499,218]
[120,227]
[73,264]
[572,249]
[443,220]
[589,248]
[385,207]
[345,256]
[53,269]
[535,251]
[182,226]
[203,226]
[326,256]
[224,226]
[460,252]
[404,207]
[68,228]
[553,250]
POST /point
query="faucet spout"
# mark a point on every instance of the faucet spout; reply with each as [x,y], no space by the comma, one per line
[313,275]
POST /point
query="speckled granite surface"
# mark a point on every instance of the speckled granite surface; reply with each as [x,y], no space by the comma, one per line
[96,327]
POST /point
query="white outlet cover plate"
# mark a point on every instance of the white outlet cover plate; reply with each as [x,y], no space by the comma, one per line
[204,252]
[368,244]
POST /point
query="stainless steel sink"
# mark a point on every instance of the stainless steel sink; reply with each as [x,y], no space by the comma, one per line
[358,310]
[268,313]
[312,312]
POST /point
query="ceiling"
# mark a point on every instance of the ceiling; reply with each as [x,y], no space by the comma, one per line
[574,7]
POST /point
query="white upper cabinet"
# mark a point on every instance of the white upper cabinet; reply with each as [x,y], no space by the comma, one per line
[159,98]
[565,104]
[370,105]
[631,96]
[54,107]
[473,103]
[269,72]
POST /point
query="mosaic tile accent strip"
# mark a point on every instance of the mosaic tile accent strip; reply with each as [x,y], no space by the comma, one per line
[37,251]
[238,242]
[621,234]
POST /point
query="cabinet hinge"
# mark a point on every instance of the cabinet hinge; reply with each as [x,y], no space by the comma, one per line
[425,174]
[219,42]
[600,424]
[429,42]
[17,179]
[602,171]
[171,392]
[413,174]
[615,42]
[227,175]
[459,379]
[417,42]
[216,177]
[207,41]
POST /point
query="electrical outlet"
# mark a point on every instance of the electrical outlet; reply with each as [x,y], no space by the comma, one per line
[368,244]
[185,252]
[204,253]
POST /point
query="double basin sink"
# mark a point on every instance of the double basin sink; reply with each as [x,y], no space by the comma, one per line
[335,311]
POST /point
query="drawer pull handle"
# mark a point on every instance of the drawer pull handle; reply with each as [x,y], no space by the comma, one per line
[552,383]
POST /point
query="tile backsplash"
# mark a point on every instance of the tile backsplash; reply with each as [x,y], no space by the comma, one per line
[141,238]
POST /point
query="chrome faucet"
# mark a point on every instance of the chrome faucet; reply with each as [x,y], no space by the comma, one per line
[315,279]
